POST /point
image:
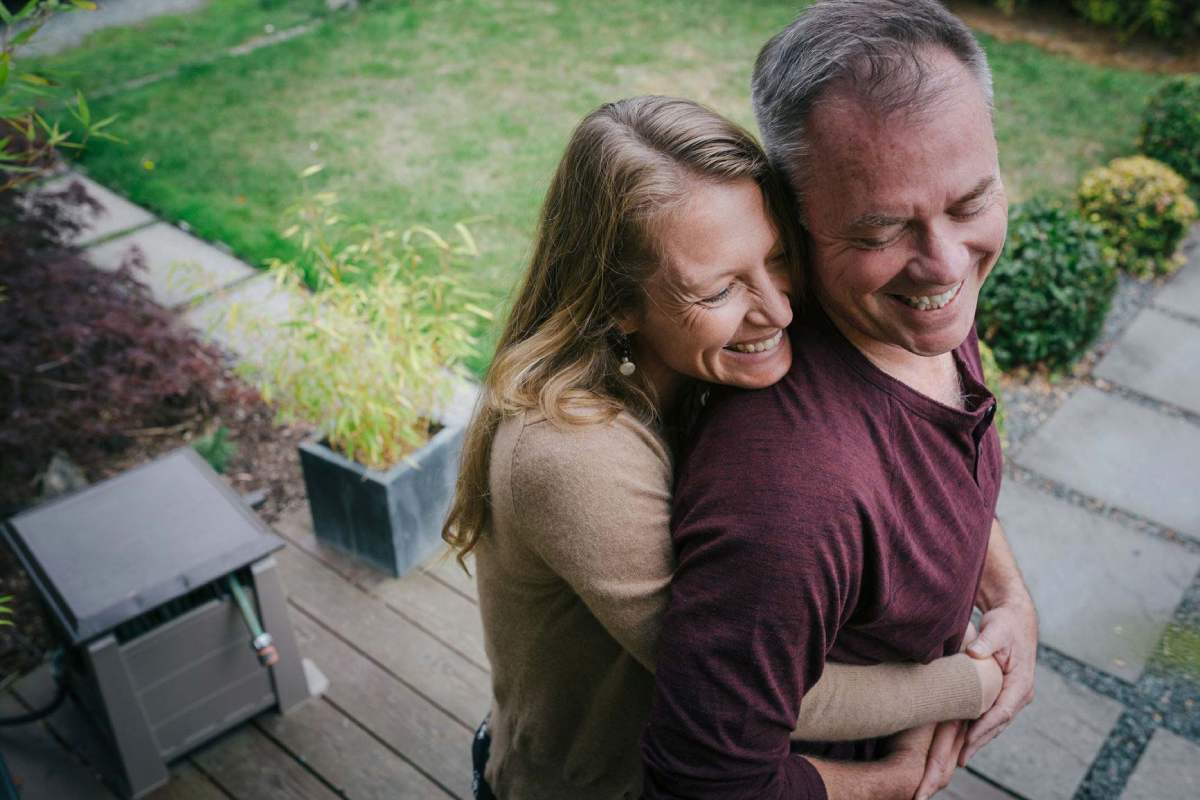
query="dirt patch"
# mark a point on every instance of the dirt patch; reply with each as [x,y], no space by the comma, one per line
[1058,31]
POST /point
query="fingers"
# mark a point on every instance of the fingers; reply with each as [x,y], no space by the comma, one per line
[943,753]
[986,728]
[992,637]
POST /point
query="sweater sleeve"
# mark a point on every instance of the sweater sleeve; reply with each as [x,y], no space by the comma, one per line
[852,702]
[594,503]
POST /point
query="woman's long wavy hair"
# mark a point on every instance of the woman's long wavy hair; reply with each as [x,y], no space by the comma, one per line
[628,166]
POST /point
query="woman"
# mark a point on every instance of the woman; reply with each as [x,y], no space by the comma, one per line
[664,261]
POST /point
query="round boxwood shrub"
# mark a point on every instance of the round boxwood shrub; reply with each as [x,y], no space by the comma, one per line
[1171,128]
[991,377]
[1144,210]
[1047,296]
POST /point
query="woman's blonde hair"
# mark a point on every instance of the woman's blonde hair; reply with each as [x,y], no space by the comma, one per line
[627,167]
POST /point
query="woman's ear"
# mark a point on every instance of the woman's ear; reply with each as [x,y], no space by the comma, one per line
[628,322]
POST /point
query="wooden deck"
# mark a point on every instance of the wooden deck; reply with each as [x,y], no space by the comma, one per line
[408,684]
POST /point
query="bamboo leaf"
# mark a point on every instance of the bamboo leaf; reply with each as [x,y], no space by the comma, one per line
[84,113]
[24,36]
[26,11]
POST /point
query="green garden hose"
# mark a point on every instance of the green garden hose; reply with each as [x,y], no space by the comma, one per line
[263,645]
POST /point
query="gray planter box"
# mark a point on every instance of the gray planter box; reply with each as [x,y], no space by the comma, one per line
[391,519]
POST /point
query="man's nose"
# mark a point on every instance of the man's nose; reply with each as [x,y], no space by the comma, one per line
[944,256]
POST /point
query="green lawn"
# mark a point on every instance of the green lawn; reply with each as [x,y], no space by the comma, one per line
[439,112]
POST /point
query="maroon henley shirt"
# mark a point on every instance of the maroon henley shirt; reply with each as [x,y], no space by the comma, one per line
[837,515]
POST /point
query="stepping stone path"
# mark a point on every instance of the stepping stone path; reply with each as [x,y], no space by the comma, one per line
[1102,507]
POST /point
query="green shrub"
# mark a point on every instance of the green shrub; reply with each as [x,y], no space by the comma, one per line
[1046,298]
[1168,20]
[991,377]
[1171,128]
[1143,208]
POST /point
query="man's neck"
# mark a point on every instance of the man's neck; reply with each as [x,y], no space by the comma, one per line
[935,377]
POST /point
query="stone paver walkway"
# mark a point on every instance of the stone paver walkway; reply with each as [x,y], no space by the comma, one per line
[1101,504]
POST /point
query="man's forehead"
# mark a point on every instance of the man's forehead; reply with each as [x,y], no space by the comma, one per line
[866,162]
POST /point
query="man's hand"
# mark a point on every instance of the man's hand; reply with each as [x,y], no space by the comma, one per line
[948,740]
[907,752]
[1008,633]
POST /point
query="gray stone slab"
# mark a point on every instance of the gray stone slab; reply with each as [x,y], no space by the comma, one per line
[1046,751]
[1169,769]
[118,215]
[179,267]
[966,786]
[1158,356]
[64,31]
[261,306]
[1124,454]
[1104,593]
[1182,292]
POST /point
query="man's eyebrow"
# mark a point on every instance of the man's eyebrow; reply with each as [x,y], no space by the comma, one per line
[873,219]
[978,190]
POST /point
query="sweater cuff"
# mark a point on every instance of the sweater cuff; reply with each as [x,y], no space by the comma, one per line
[957,692]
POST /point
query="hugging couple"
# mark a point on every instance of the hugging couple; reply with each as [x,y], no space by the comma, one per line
[730,487]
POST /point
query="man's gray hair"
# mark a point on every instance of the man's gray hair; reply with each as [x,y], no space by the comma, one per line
[875,48]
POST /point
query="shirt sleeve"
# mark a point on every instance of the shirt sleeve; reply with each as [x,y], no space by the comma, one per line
[768,569]
[594,503]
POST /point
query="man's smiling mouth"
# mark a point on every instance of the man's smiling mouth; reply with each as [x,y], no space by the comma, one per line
[930,302]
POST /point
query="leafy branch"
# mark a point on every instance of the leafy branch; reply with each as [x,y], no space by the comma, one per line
[28,140]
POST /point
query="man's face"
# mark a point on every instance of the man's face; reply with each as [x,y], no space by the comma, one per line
[907,216]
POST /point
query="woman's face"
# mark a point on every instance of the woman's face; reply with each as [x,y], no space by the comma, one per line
[717,308]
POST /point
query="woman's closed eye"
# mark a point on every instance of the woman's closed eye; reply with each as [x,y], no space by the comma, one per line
[719,297]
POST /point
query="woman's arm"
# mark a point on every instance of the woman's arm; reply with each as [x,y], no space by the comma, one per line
[594,503]
[854,702]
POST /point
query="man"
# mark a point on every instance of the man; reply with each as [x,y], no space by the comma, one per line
[848,511]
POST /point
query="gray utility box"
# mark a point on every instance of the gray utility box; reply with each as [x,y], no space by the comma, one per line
[160,655]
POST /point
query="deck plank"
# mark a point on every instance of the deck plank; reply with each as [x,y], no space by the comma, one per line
[187,783]
[83,739]
[246,764]
[445,568]
[41,767]
[424,596]
[436,608]
[347,756]
[426,735]
[424,663]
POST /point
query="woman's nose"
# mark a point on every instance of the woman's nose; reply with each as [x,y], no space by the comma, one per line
[774,306]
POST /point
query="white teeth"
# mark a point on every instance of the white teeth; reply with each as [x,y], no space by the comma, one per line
[931,301]
[758,347]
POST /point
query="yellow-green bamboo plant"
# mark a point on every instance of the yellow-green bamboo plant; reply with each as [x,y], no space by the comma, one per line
[379,344]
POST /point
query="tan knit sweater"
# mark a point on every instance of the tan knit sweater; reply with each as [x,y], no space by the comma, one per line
[573,578]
